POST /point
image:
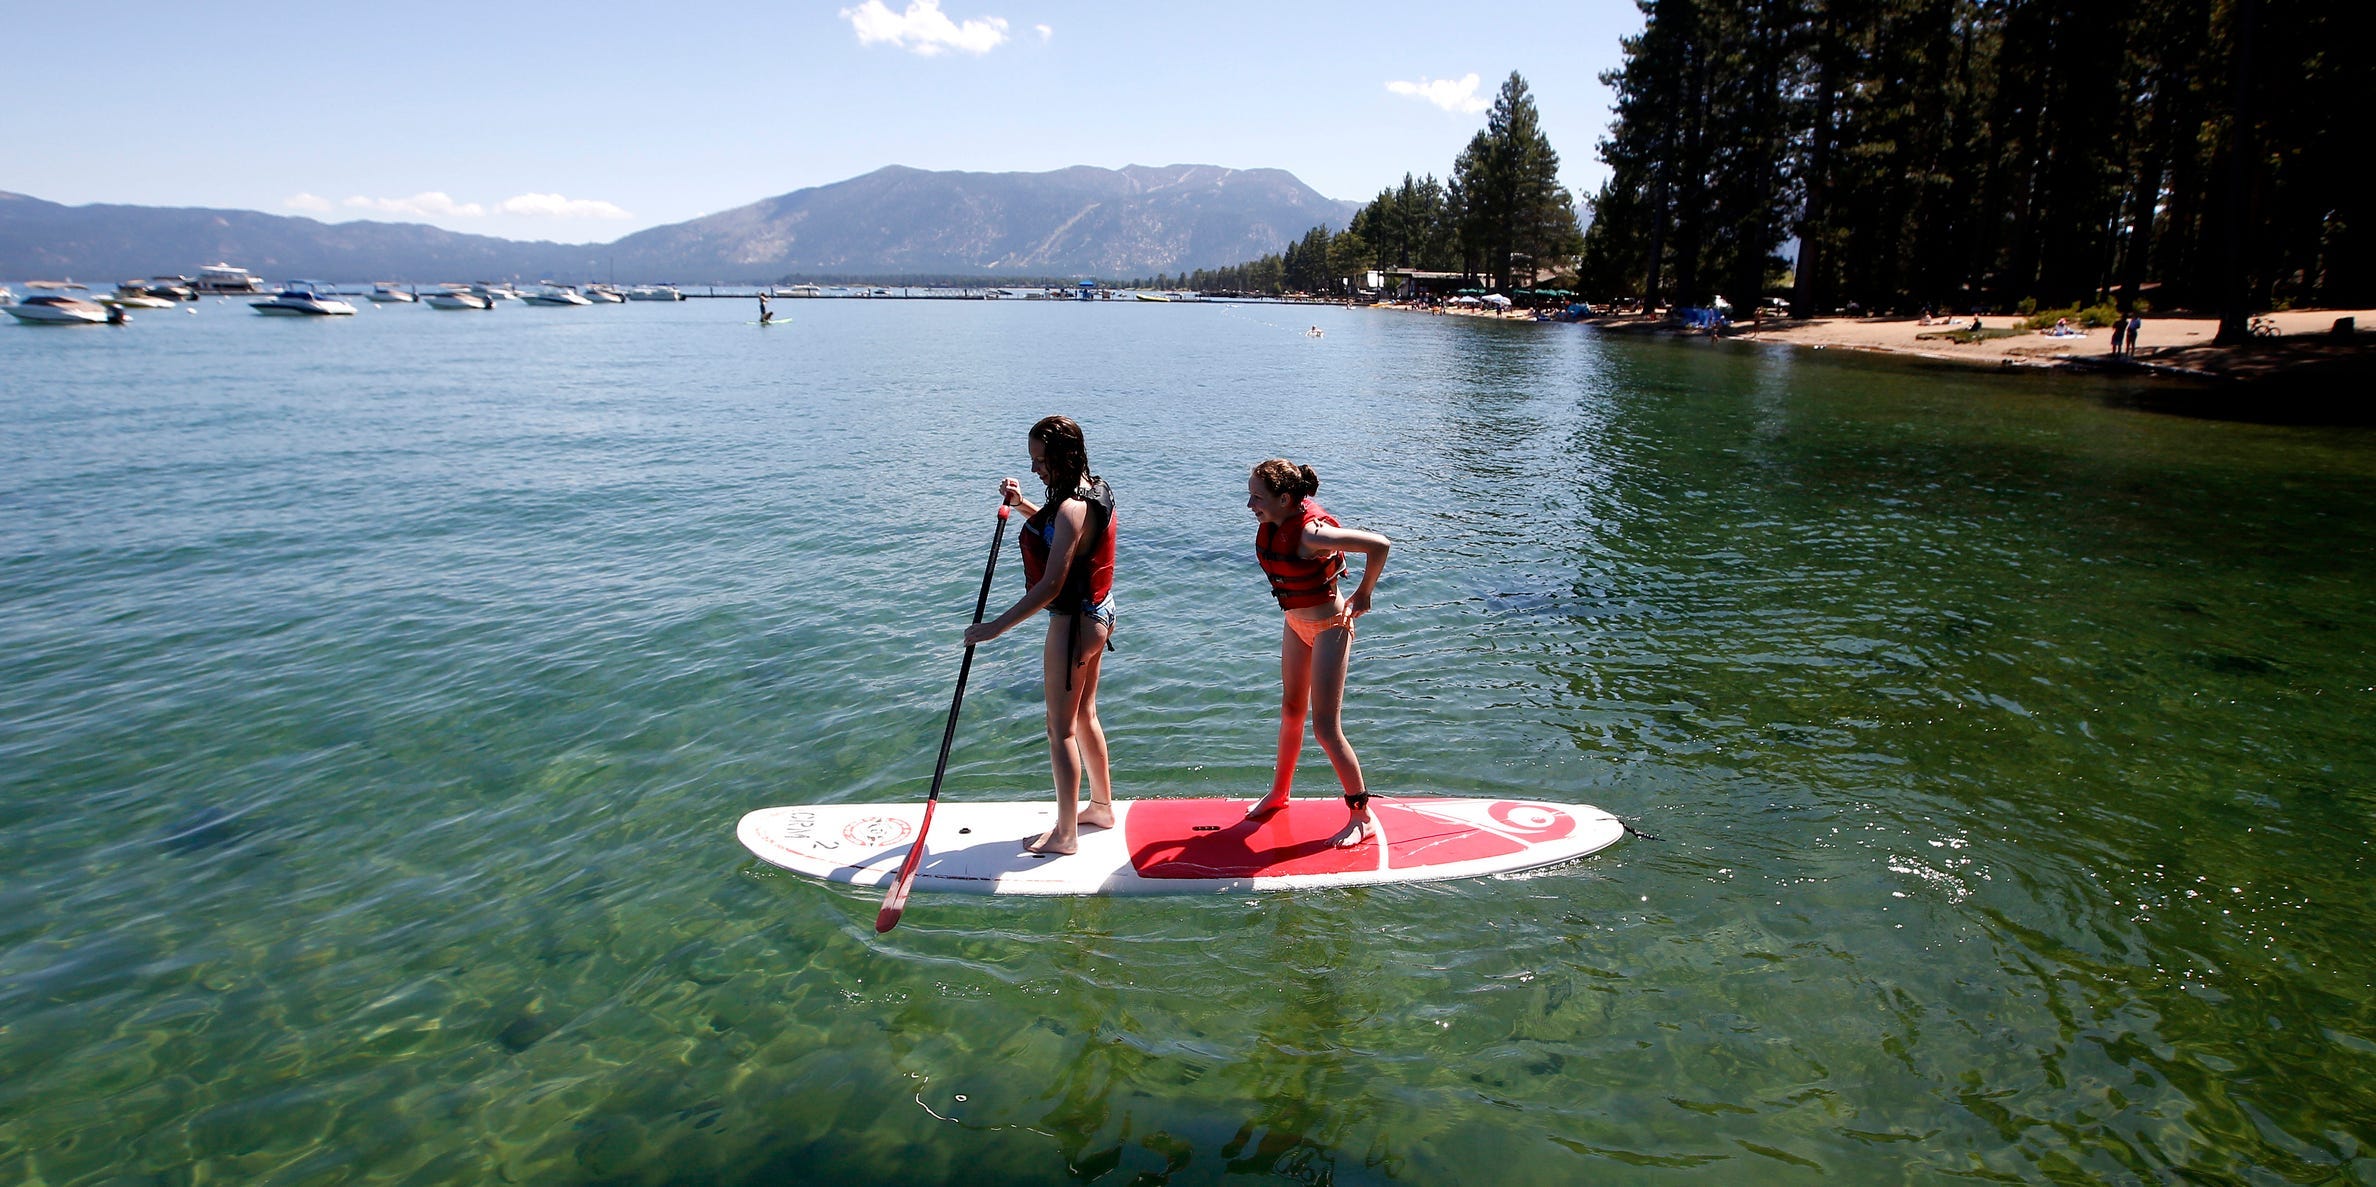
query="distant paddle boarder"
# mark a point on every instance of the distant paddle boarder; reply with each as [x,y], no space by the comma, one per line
[1068,570]
[1301,549]
[766,314]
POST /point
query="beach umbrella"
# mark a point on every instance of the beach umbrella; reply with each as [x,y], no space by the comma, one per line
[1496,299]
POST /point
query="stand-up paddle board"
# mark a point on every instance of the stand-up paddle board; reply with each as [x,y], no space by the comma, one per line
[1176,846]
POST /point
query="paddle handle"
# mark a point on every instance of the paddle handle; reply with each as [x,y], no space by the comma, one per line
[895,902]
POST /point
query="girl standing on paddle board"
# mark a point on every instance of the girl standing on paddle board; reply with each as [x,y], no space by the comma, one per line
[1068,570]
[1301,549]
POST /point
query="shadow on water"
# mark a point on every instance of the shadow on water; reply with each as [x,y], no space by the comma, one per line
[2307,401]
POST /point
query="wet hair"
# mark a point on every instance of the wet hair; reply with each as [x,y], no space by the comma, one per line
[1283,477]
[1066,453]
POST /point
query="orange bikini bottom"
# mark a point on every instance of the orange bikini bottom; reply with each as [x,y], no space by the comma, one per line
[1310,629]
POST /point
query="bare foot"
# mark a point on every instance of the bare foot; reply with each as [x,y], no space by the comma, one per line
[1097,815]
[1264,809]
[1049,842]
[1362,829]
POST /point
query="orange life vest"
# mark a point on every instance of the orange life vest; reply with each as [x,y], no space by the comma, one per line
[1295,579]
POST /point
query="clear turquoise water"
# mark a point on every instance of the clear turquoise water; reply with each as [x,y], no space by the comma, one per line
[379,697]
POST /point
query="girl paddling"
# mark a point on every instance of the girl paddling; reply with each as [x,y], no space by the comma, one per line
[1068,569]
[1301,549]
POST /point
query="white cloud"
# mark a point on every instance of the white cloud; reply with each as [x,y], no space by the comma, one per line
[430,204]
[556,206]
[312,202]
[1458,96]
[1045,32]
[924,29]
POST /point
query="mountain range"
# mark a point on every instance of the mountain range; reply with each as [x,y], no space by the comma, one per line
[893,222]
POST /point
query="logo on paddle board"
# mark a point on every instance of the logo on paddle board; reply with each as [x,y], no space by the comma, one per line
[878,830]
[1532,822]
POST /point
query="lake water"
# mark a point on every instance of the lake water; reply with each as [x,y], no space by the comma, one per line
[380,696]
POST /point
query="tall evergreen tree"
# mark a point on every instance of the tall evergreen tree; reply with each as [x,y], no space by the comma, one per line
[1514,214]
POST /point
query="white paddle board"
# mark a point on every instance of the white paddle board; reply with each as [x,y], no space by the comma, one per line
[1201,846]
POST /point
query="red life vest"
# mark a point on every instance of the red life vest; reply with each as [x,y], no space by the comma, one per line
[1090,579]
[1297,580]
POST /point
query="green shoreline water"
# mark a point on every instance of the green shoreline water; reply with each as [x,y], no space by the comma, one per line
[380,697]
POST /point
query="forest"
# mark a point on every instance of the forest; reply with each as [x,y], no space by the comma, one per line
[1981,153]
[1899,155]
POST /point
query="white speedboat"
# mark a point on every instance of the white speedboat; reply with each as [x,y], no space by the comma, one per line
[6,297]
[556,294]
[603,294]
[49,309]
[654,292]
[132,294]
[385,292]
[172,288]
[299,299]
[458,298]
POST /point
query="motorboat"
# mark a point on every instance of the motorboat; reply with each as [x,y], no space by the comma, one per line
[654,292]
[458,298]
[603,294]
[50,309]
[385,292]
[133,294]
[225,278]
[556,294]
[172,288]
[299,298]
[6,297]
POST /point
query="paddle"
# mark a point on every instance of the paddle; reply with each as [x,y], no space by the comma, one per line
[896,901]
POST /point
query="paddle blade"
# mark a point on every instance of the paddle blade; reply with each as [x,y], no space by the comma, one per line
[896,902]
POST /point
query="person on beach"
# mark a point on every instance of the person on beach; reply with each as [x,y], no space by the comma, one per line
[2136,326]
[1301,549]
[1068,570]
[2119,334]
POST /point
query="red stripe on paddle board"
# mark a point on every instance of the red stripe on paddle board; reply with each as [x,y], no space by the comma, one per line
[1211,839]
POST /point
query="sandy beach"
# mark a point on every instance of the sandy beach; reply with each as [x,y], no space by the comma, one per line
[2163,338]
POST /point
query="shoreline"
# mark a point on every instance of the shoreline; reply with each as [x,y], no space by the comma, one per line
[2300,371]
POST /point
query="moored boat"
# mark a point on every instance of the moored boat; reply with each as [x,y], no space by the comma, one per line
[133,294]
[654,292]
[556,294]
[299,298]
[226,278]
[458,297]
[50,309]
[384,292]
[603,294]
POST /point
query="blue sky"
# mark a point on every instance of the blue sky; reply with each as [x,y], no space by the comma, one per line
[584,122]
